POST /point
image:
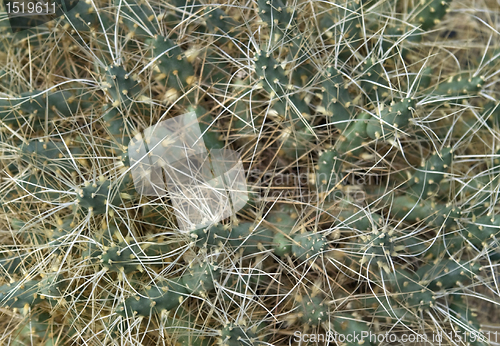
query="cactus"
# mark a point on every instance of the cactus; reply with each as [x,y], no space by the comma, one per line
[393,118]
[374,81]
[429,13]
[369,150]
[21,295]
[121,258]
[81,17]
[344,24]
[447,273]
[482,231]
[171,63]
[312,310]
[308,245]
[243,123]
[139,17]
[11,265]
[39,328]
[336,102]
[352,139]
[328,171]
[234,335]
[95,198]
[274,81]
[295,144]
[250,239]
[460,85]
[121,86]
[201,278]
[154,300]
[413,293]
[210,137]
[466,320]
[425,181]
[275,14]
[346,325]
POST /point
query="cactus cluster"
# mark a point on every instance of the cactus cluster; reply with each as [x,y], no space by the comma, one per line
[368,133]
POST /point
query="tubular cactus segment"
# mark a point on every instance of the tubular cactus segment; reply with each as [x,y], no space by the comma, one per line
[308,245]
[460,85]
[276,15]
[346,324]
[352,139]
[274,81]
[95,197]
[447,273]
[336,101]
[154,299]
[200,279]
[121,86]
[391,119]
[374,80]
[20,295]
[234,335]
[250,239]
[82,17]
[425,181]
[430,12]
[411,292]
[172,63]
[312,310]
